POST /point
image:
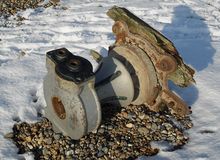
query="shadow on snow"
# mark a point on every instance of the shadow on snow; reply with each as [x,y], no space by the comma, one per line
[191,36]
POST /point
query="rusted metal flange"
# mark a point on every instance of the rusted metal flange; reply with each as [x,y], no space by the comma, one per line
[72,103]
[154,59]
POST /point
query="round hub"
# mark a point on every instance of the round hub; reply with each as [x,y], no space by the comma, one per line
[141,70]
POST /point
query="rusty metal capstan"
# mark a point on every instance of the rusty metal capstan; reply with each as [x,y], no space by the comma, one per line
[136,71]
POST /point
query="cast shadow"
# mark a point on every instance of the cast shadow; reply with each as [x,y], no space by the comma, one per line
[191,36]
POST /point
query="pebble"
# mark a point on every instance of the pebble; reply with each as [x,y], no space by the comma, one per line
[28,139]
[105,149]
[122,156]
[153,126]
[70,152]
[130,145]
[57,136]
[131,115]
[110,127]
[142,116]
[45,151]
[100,154]
[30,146]
[101,130]
[77,151]
[129,125]
[124,114]
[143,131]
[167,125]
[91,146]
[164,132]
[9,135]
[48,140]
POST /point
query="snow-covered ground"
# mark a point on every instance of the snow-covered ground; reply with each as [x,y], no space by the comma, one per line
[193,26]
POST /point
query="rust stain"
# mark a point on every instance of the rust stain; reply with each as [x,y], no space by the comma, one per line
[58,108]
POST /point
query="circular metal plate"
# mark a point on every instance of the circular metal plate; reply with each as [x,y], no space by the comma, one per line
[142,72]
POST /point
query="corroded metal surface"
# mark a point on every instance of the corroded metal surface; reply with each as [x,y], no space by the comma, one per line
[164,58]
[151,39]
[72,103]
[58,108]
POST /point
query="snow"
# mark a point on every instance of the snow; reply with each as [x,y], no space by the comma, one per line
[193,26]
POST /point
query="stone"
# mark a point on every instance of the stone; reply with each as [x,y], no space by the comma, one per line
[122,156]
[164,132]
[28,139]
[29,146]
[91,146]
[129,125]
[105,149]
[153,126]
[124,114]
[100,154]
[101,130]
[45,151]
[69,152]
[77,151]
[141,116]
[143,130]
[9,135]
[56,136]
[110,127]
[48,140]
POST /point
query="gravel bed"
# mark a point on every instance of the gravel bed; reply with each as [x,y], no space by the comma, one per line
[125,133]
[11,7]
[10,10]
